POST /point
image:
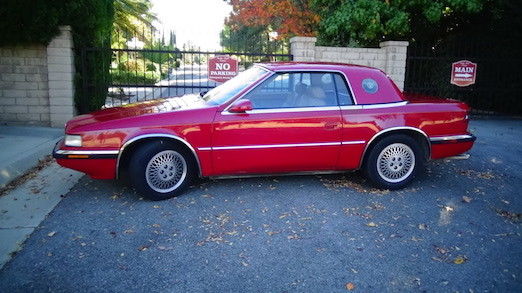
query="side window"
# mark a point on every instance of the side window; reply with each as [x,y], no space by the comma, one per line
[295,90]
[345,98]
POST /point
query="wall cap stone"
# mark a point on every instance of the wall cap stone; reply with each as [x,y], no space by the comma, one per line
[303,39]
[394,43]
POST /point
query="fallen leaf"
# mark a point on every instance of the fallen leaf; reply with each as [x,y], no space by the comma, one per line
[143,248]
[128,231]
[156,206]
[156,225]
[350,286]
[371,224]
[51,234]
[460,260]
[466,199]
[422,226]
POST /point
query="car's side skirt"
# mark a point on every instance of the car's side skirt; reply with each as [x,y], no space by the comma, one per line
[253,175]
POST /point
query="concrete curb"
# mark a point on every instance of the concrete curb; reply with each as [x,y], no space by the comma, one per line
[25,207]
[22,148]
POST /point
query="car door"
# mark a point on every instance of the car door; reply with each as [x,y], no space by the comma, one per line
[295,125]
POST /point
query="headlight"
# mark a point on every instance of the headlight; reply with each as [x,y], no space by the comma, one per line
[73,140]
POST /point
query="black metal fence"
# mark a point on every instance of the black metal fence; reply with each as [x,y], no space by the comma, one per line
[145,74]
[498,86]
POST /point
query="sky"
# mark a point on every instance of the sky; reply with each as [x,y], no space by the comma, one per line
[196,21]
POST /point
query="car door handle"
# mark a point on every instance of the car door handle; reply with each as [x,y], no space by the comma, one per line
[331,126]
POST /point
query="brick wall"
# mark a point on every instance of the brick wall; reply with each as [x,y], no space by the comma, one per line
[390,57]
[36,83]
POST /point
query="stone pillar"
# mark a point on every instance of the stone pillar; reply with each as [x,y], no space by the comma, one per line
[60,72]
[395,60]
[303,48]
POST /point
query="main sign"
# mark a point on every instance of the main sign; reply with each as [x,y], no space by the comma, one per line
[463,73]
[222,68]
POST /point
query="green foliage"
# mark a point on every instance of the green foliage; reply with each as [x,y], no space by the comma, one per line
[161,57]
[29,22]
[131,15]
[36,22]
[130,77]
[368,22]
[250,39]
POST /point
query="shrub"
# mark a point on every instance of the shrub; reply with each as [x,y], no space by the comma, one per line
[37,21]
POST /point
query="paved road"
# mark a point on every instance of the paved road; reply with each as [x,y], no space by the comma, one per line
[187,79]
[308,233]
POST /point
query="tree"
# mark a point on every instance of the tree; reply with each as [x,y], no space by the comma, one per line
[368,22]
[286,17]
[133,18]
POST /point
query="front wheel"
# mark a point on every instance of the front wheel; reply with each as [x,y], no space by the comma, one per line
[394,161]
[159,170]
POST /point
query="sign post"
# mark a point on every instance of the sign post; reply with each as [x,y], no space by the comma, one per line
[463,73]
[222,68]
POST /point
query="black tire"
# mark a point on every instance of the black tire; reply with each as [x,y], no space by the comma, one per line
[141,158]
[394,142]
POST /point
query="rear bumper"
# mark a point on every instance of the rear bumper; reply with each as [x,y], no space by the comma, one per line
[453,139]
[98,164]
[448,146]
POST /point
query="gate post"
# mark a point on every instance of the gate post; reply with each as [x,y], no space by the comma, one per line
[60,70]
[395,60]
[303,48]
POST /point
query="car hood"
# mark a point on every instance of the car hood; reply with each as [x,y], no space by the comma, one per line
[191,101]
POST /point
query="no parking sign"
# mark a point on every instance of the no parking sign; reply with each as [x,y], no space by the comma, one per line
[222,68]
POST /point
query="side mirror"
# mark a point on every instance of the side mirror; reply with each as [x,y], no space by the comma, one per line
[240,106]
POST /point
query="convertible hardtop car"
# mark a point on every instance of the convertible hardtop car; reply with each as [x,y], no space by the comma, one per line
[273,118]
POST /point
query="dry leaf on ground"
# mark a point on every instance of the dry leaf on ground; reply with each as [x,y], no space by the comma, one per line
[350,286]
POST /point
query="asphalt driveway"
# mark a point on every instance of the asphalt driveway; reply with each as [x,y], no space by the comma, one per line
[455,229]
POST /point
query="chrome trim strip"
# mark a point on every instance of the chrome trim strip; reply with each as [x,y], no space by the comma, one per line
[451,137]
[392,129]
[352,107]
[353,142]
[156,135]
[275,146]
[385,105]
[290,110]
[87,152]
[266,146]
[280,110]
[374,106]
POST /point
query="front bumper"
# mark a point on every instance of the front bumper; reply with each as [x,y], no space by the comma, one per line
[99,164]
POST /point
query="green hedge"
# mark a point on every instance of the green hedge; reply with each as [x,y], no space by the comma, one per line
[36,22]
[129,77]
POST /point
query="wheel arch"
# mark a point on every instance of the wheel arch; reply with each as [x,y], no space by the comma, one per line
[417,134]
[131,144]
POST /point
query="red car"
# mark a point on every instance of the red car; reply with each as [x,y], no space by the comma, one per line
[272,118]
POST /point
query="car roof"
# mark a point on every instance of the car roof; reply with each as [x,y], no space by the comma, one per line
[297,65]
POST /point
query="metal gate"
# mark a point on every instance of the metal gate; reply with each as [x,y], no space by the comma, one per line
[142,74]
[498,86]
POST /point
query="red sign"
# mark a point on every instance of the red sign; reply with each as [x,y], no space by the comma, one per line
[222,68]
[463,73]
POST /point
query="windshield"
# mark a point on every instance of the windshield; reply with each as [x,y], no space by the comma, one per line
[229,89]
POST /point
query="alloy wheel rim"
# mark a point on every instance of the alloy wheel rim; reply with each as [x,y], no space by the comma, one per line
[166,171]
[396,162]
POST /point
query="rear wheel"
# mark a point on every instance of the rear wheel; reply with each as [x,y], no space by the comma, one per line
[161,170]
[394,161]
